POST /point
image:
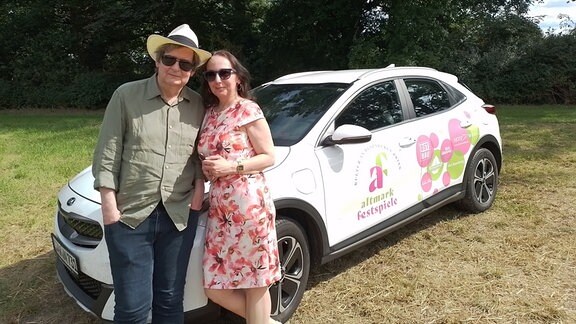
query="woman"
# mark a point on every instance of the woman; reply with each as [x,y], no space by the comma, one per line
[241,254]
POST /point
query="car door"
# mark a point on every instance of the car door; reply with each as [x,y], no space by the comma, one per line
[443,135]
[365,183]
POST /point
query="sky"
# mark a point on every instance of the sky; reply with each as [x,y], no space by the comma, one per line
[551,9]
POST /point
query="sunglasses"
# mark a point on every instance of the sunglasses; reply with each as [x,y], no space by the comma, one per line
[185,66]
[224,74]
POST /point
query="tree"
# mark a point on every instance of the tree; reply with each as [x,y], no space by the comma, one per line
[300,35]
[75,52]
[545,74]
[232,25]
[500,42]
[426,32]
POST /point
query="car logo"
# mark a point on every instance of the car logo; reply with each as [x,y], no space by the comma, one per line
[70,201]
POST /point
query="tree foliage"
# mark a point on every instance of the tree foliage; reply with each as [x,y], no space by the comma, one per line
[302,35]
[75,52]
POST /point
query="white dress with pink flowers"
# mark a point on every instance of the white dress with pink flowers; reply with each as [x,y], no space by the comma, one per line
[241,248]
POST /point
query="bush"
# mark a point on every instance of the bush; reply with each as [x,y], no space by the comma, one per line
[6,95]
[92,90]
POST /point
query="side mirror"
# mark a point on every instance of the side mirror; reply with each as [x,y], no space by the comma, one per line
[348,134]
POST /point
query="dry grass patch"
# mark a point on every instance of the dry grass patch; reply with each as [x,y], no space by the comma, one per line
[512,264]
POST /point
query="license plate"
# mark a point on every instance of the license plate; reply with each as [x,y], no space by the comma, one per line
[69,260]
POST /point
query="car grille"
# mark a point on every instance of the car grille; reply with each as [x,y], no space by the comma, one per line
[90,286]
[84,228]
[79,230]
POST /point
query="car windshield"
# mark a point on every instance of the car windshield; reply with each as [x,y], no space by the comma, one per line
[292,109]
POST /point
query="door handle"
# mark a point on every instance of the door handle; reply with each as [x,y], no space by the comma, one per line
[406,142]
[465,124]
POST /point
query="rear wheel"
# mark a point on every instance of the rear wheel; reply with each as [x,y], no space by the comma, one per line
[481,182]
[294,251]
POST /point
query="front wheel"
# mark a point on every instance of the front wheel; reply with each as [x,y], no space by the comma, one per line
[481,182]
[294,251]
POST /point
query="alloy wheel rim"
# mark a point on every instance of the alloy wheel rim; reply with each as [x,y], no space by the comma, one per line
[484,180]
[282,292]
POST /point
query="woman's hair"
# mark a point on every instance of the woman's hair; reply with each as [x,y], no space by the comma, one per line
[243,88]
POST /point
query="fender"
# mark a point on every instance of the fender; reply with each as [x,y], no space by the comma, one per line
[312,222]
[489,142]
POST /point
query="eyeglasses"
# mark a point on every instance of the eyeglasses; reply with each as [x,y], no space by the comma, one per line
[169,60]
[224,74]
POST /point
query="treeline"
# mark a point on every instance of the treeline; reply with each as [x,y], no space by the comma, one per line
[74,53]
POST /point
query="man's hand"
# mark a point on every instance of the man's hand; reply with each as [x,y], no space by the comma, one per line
[110,212]
[198,195]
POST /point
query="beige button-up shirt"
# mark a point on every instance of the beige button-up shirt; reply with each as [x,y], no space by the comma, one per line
[145,151]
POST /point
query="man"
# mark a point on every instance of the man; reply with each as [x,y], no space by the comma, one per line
[150,181]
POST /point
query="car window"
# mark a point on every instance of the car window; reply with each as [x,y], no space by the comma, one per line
[377,106]
[428,96]
[457,95]
[293,109]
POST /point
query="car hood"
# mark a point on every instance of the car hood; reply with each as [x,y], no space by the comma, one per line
[83,182]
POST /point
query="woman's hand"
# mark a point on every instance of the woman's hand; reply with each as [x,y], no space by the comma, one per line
[215,166]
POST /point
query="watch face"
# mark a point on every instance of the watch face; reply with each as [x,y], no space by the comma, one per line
[239,167]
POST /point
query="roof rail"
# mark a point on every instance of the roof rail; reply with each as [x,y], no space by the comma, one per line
[376,71]
[392,66]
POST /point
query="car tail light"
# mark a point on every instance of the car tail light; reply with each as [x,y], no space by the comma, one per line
[489,109]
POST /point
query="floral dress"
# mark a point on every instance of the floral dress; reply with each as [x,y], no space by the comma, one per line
[241,249]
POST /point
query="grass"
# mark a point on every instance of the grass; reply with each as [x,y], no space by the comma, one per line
[40,151]
[512,264]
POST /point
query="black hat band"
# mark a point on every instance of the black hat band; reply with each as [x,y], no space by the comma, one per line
[183,40]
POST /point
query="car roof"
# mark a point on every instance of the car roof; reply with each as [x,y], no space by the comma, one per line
[350,76]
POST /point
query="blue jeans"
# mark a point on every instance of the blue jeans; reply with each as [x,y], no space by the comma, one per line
[149,266]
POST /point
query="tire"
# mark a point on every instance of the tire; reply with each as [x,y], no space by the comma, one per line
[480,182]
[294,251]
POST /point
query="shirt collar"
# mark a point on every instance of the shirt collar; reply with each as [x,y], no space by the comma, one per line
[153,91]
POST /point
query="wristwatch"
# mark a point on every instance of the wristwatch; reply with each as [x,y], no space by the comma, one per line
[239,167]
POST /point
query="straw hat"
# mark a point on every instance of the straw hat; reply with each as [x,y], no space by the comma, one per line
[181,35]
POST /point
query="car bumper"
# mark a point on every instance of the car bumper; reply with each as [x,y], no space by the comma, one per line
[87,278]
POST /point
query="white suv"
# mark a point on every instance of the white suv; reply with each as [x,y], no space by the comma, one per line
[359,153]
